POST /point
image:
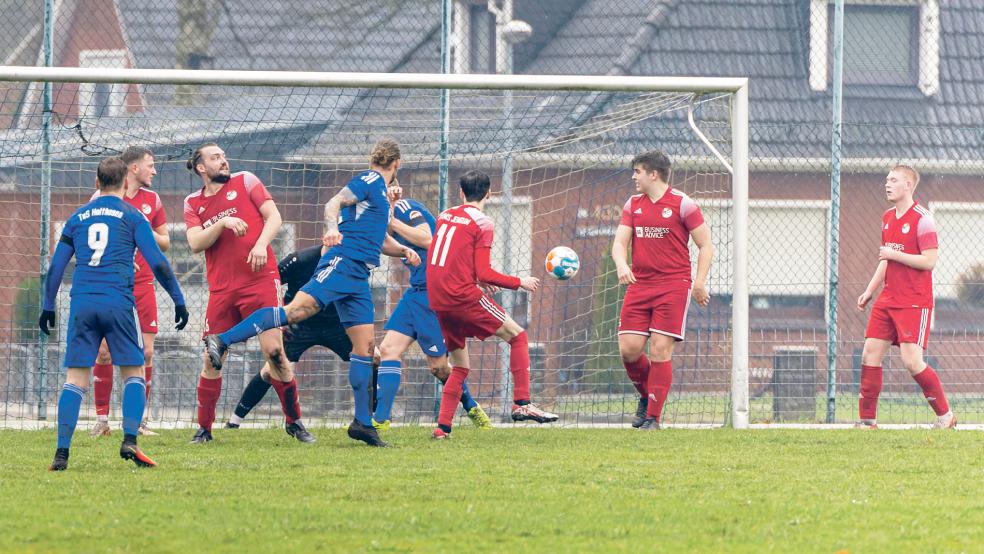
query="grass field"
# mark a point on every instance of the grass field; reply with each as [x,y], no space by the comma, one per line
[509,490]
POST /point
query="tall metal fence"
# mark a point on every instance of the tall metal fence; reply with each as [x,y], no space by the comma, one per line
[911,93]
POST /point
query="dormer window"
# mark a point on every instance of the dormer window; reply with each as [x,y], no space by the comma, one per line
[885,44]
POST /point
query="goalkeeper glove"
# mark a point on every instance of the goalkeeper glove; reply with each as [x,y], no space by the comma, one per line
[46,321]
[180,316]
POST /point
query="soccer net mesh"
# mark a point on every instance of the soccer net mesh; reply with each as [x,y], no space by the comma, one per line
[560,167]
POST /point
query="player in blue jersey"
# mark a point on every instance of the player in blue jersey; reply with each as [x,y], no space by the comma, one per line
[356,220]
[413,226]
[102,235]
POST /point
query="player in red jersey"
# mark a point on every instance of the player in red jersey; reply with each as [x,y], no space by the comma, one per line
[233,219]
[658,223]
[457,261]
[140,173]
[903,313]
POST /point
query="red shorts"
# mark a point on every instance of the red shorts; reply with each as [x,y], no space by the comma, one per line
[226,309]
[146,298]
[654,309]
[900,325]
[479,319]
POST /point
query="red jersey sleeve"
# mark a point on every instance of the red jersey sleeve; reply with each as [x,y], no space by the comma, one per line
[485,273]
[926,233]
[627,214]
[159,216]
[254,187]
[190,215]
[690,214]
[486,230]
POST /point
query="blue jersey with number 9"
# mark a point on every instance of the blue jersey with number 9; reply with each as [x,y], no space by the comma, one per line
[104,234]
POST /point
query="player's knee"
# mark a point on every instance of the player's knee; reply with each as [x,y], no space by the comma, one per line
[276,356]
[630,354]
[914,364]
[661,353]
[388,352]
[148,355]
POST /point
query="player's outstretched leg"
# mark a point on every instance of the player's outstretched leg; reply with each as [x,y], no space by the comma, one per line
[215,349]
[255,323]
[69,404]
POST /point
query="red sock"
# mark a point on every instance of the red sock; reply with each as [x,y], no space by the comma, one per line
[148,373]
[519,366]
[871,386]
[287,391]
[208,396]
[451,394]
[102,387]
[658,387]
[638,372]
[933,390]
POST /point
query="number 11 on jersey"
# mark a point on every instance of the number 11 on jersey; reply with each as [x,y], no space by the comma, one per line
[442,245]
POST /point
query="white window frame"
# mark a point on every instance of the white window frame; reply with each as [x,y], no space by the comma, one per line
[929,41]
[942,271]
[461,46]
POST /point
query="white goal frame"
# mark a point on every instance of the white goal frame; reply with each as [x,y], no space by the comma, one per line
[736,87]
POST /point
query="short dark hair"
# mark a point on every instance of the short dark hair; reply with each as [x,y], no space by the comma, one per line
[196,157]
[654,160]
[135,154]
[475,185]
[111,173]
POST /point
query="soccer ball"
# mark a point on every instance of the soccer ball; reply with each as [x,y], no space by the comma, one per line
[562,263]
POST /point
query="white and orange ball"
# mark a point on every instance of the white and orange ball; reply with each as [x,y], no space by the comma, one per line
[562,263]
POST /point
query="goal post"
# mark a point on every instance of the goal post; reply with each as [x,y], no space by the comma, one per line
[568,140]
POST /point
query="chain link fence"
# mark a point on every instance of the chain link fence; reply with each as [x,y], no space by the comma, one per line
[911,94]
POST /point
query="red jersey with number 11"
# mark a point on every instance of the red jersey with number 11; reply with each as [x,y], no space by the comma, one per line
[458,258]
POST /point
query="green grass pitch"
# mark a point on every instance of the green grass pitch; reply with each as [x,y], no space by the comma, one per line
[508,490]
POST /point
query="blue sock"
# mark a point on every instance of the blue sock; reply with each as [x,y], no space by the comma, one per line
[467,402]
[69,404]
[388,382]
[134,400]
[360,374]
[254,324]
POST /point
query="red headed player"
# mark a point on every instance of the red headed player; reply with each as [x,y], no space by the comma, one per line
[658,223]
[233,219]
[903,313]
[457,262]
[140,173]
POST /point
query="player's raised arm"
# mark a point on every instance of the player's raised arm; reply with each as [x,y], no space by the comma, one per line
[151,252]
[701,236]
[620,253]
[486,274]
[59,261]
[394,249]
[345,197]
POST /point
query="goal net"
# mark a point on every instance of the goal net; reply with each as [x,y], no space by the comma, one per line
[558,151]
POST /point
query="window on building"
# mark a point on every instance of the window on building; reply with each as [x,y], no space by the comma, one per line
[893,43]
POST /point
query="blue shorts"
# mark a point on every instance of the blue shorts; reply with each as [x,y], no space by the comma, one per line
[344,283]
[414,318]
[90,322]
